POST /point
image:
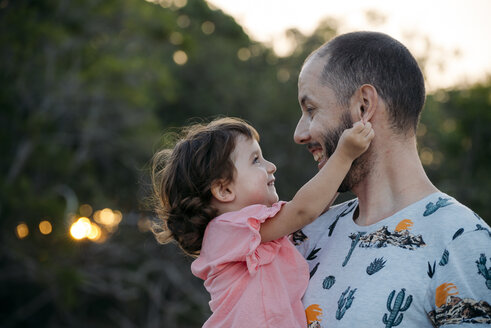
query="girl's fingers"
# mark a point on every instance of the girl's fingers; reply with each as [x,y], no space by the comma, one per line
[358,127]
[367,130]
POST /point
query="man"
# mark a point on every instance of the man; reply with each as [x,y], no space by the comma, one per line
[402,253]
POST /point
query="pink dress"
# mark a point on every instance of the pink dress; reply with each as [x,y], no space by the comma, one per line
[252,285]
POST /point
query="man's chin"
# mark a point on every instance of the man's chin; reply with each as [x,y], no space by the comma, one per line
[356,175]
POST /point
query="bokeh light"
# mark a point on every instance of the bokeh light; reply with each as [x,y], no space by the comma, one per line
[163,3]
[108,218]
[449,125]
[22,231]
[421,130]
[244,54]
[426,156]
[107,221]
[45,227]
[183,21]
[180,57]
[118,216]
[208,27]
[80,229]
[180,3]
[85,210]
[95,232]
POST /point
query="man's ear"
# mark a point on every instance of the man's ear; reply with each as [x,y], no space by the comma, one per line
[367,101]
[222,191]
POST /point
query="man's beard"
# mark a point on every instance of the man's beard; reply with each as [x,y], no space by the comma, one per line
[360,167]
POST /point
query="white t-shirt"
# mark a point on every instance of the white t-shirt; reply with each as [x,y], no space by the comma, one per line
[427,265]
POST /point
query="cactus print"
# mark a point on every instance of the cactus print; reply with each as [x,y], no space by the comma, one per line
[347,211]
[312,255]
[431,269]
[328,282]
[344,302]
[375,266]
[481,228]
[312,272]
[444,259]
[407,270]
[458,233]
[395,318]
[432,208]
[355,239]
[482,270]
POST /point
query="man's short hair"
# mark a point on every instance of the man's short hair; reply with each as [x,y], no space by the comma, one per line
[358,58]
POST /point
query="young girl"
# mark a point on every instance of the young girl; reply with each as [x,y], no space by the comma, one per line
[217,199]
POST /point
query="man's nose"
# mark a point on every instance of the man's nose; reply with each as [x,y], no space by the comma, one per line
[302,133]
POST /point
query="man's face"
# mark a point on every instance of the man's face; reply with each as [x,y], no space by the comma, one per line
[323,121]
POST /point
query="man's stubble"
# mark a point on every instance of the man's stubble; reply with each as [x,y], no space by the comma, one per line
[361,165]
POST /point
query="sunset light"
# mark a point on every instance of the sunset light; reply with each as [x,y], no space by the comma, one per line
[457,31]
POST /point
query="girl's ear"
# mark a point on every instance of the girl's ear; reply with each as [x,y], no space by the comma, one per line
[222,191]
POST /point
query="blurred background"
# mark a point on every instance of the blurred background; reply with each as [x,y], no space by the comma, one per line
[89,87]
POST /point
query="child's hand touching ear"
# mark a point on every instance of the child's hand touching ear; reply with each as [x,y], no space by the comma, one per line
[355,141]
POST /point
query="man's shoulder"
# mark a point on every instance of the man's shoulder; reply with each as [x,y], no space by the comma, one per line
[447,219]
[445,207]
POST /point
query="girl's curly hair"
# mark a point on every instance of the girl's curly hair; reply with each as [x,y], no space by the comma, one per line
[182,179]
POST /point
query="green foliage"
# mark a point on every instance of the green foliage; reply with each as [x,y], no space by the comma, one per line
[87,89]
[454,131]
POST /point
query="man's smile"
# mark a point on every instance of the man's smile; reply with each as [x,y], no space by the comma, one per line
[318,154]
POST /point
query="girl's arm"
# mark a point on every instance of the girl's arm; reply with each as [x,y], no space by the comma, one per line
[311,200]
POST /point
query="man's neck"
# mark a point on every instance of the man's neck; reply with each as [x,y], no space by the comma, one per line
[396,180]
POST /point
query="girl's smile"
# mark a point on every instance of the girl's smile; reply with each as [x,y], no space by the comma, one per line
[253,180]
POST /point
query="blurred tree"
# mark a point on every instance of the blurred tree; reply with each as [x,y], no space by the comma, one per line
[87,88]
[454,144]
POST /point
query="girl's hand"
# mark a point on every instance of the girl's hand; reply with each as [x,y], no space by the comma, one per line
[355,141]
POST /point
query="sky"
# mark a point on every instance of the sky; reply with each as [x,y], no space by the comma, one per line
[459,31]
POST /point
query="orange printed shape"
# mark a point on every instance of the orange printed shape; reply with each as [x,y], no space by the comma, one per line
[313,312]
[443,291]
[404,225]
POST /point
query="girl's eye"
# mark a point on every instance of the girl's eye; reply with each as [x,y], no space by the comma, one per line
[255,160]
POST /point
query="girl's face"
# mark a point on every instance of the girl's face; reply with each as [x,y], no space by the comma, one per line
[254,180]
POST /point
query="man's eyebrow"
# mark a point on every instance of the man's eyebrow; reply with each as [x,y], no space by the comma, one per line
[304,100]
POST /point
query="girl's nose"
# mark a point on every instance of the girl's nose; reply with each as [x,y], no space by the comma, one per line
[271,167]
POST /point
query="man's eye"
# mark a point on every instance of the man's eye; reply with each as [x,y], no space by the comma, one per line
[310,110]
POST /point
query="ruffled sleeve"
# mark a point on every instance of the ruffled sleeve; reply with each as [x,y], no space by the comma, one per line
[234,237]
